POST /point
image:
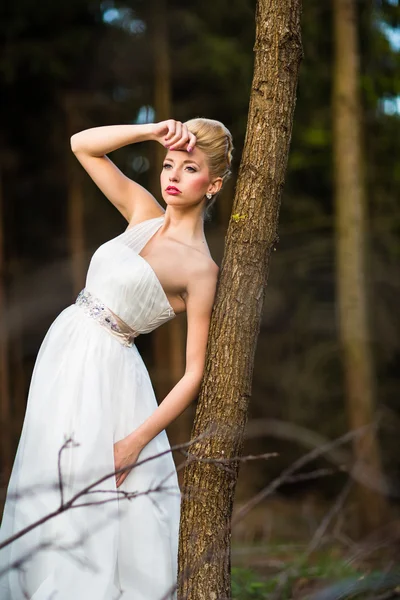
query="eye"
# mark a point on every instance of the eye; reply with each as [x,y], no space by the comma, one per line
[193,170]
[165,165]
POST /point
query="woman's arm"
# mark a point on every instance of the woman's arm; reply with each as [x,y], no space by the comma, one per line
[199,303]
[90,148]
[130,198]
[200,299]
[98,141]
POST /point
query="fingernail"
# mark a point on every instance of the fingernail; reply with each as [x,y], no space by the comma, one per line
[189,149]
[166,145]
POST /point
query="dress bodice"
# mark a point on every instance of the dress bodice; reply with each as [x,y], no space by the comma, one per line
[126,282]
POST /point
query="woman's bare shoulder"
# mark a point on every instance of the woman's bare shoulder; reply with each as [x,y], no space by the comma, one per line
[202,263]
[202,274]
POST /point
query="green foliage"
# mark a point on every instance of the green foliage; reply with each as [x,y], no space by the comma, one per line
[247,586]
[326,577]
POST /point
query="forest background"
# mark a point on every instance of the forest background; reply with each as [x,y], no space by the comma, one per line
[68,66]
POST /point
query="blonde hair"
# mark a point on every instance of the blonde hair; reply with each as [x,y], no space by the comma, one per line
[215,140]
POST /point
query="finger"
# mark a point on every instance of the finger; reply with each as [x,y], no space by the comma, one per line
[121,478]
[178,134]
[174,141]
[192,142]
[118,479]
[181,144]
[184,141]
[185,136]
[171,124]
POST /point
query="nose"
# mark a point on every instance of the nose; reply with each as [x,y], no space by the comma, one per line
[173,174]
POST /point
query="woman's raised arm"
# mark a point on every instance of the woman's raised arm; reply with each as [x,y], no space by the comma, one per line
[90,148]
[92,145]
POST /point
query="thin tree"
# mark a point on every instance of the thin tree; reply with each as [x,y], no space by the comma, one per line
[351,272]
[16,351]
[5,398]
[76,224]
[168,342]
[204,553]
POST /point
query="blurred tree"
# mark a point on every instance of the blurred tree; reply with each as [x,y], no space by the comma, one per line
[5,396]
[43,50]
[354,324]
[204,552]
[73,107]
[168,341]
[380,86]
[298,372]
[212,71]
[16,356]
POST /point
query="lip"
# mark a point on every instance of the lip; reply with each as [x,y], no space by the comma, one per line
[171,189]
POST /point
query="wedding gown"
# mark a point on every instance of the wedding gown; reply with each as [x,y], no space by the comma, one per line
[90,384]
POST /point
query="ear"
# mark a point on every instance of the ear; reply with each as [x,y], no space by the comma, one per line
[215,186]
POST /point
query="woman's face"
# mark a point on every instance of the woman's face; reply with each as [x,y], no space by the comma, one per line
[185,177]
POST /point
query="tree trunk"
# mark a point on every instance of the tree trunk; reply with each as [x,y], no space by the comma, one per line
[350,198]
[5,399]
[162,77]
[208,491]
[18,388]
[76,225]
[168,341]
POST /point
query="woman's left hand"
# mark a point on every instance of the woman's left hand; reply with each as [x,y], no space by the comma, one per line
[125,453]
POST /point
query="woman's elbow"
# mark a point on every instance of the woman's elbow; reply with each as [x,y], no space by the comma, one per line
[75,143]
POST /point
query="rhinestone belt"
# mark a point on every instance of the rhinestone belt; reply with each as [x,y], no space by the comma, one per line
[96,309]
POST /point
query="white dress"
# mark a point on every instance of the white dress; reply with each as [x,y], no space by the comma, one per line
[90,384]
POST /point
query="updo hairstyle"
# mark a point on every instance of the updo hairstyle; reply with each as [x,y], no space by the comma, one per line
[215,140]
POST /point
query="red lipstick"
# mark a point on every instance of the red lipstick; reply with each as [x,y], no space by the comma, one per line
[171,189]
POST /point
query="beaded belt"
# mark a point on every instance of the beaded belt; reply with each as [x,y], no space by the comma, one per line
[96,309]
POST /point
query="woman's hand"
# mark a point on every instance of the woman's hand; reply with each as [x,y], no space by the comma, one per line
[125,453]
[174,135]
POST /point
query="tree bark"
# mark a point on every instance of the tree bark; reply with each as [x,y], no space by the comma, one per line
[208,491]
[351,277]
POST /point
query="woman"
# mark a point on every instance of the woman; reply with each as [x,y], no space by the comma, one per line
[91,406]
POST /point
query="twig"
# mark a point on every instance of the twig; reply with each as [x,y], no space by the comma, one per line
[267,491]
[65,445]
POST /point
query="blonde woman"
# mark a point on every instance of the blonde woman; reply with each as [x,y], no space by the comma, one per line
[91,394]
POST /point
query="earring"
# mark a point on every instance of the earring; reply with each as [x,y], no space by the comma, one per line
[209,196]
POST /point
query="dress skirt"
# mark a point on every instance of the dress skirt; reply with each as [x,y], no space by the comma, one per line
[87,392]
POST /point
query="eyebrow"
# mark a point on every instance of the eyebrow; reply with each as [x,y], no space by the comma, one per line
[184,162]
